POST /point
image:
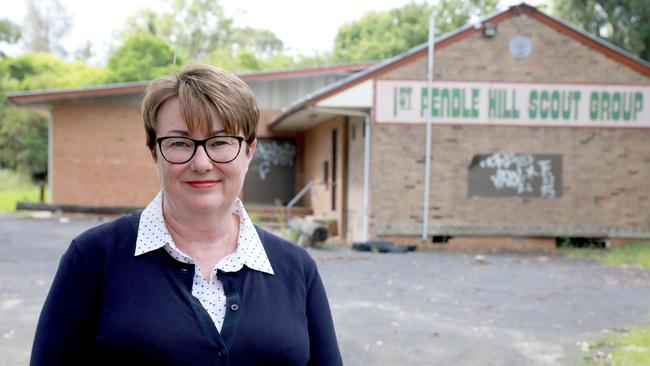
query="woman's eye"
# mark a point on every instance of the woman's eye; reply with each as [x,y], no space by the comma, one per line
[179,144]
[218,143]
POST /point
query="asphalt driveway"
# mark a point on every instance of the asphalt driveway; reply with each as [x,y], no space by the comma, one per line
[421,308]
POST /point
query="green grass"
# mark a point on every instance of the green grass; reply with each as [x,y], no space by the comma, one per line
[255,218]
[628,255]
[8,198]
[15,187]
[627,348]
[631,347]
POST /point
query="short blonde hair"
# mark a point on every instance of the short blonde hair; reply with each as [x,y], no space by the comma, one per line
[202,92]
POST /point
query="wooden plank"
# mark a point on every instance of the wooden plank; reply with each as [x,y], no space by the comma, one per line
[36,206]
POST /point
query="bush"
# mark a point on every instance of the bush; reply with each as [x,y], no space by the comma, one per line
[23,141]
[16,187]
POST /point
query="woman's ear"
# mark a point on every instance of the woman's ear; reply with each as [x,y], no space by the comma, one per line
[153,155]
[250,149]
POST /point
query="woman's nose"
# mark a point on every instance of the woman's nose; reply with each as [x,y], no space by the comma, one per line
[201,162]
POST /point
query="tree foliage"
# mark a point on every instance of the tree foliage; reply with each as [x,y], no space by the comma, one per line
[84,51]
[194,28]
[262,42]
[200,31]
[625,23]
[9,31]
[46,24]
[143,56]
[23,140]
[32,71]
[245,60]
[197,27]
[23,133]
[383,34]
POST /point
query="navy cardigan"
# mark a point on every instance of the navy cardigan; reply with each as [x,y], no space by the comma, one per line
[107,306]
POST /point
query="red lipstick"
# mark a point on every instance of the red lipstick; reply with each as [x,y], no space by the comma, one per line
[202,183]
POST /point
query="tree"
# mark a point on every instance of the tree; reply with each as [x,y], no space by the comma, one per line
[246,60]
[9,31]
[143,56]
[223,58]
[23,140]
[47,23]
[380,35]
[193,27]
[625,23]
[23,133]
[263,42]
[84,52]
[145,20]
[46,71]
[199,26]
[200,31]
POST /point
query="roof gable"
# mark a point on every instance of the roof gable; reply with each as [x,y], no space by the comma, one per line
[453,38]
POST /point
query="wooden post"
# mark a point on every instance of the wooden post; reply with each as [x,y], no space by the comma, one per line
[41,186]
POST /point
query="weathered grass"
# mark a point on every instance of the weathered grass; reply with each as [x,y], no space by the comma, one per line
[255,218]
[629,255]
[15,187]
[629,348]
[632,347]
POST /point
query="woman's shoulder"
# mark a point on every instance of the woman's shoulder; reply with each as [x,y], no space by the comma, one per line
[283,250]
[120,231]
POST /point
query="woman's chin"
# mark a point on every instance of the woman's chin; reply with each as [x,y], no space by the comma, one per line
[209,203]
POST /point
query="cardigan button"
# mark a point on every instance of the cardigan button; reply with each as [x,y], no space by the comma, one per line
[234,307]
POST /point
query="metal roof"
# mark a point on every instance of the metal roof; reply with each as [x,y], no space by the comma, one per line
[46,96]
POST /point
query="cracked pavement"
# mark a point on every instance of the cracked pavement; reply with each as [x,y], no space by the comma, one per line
[418,308]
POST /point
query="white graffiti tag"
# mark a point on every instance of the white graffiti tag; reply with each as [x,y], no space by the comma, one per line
[513,171]
[519,171]
[273,153]
[548,179]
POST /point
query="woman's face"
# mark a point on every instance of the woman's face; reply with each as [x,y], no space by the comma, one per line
[200,185]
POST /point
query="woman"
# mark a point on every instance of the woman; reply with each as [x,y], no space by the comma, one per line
[189,280]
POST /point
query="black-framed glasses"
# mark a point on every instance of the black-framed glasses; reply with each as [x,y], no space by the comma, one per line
[180,150]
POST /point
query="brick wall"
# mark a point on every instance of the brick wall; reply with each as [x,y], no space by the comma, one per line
[100,156]
[317,149]
[263,124]
[605,171]
[555,58]
[604,181]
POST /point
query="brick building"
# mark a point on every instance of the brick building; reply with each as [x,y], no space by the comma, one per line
[539,130]
[97,151]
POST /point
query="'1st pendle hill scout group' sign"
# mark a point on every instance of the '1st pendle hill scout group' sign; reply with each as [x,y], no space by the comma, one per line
[514,103]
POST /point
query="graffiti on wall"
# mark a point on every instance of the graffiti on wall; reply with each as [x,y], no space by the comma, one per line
[271,175]
[272,153]
[507,174]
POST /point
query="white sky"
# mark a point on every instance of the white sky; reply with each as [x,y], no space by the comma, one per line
[304,26]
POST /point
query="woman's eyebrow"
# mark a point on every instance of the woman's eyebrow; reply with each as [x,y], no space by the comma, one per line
[180,132]
[186,133]
[215,133]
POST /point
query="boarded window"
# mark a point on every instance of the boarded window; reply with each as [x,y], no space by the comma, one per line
[271,174]
[508,175]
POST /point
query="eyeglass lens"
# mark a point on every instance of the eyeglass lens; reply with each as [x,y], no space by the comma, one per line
[181,149]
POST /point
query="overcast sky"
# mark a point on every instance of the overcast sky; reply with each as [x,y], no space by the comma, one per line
[304,26]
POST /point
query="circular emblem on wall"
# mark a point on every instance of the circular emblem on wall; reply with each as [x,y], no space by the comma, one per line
[520,46]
